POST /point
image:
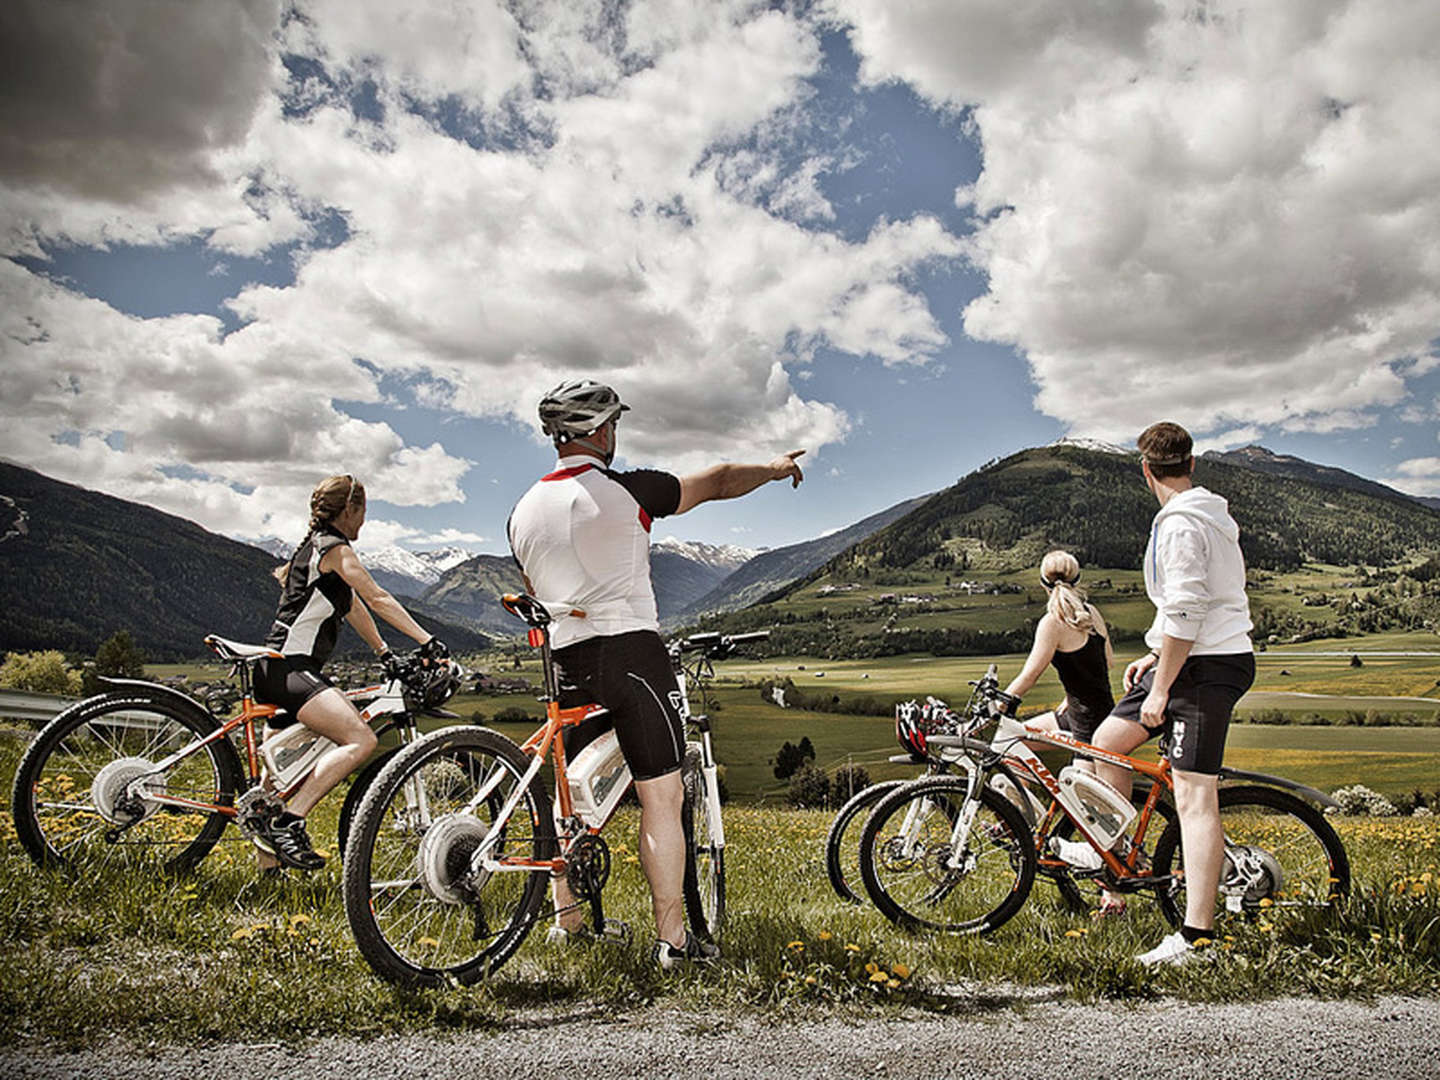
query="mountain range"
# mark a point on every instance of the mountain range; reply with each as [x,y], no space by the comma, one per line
[78,565]
[1007,514]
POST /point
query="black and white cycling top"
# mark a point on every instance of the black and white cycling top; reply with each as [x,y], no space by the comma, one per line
[582,537]
[311,604]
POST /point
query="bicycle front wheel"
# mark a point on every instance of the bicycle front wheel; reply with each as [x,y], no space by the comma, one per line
[88,790]
[1280,852]
[422,909]
[704,889]
[921,875]
[842,843]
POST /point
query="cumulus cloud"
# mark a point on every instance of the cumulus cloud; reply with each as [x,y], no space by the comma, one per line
[125,121]
[1223,211]
[531,191]
[231,432]
[1417,476]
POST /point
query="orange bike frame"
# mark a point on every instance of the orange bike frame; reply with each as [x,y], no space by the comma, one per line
[1034,767]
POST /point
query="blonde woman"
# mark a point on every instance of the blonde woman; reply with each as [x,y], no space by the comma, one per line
[1072,636]
[321,584]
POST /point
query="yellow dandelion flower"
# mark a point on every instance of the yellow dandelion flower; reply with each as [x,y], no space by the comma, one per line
[893,984]
[298,918]
[798,946]
[852,947]
[872,967]
[879,977]
[825,935]
[1074,933]
[428,942]
[900,971]
[809,980]
[1267,902]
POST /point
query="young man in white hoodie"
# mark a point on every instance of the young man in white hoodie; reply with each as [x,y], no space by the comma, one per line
[1200,663]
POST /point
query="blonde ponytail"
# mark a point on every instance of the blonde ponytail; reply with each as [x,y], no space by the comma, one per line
[1060,574]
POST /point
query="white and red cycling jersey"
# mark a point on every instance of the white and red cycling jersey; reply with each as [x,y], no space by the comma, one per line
[581,534]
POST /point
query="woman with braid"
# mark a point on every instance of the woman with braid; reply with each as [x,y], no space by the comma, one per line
[321,584]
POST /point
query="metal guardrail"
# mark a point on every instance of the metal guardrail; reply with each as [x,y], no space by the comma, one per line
[40,709]
[23,705]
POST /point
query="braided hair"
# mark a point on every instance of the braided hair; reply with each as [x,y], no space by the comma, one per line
[331,498]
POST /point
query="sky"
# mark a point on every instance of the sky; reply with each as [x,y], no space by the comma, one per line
[248,244]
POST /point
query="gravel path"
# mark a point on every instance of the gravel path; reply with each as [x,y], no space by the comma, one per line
[1394,1038]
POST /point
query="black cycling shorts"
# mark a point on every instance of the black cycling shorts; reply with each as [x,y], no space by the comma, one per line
[630,674]
[1081,720]
[288,683]
[1197,717]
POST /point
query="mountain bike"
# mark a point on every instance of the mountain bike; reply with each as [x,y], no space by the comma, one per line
[935,718]
[146,774]
[457,839]
[951,853]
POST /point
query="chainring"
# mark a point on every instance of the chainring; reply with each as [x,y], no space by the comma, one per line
[445,855]
[110,791]
[588,866]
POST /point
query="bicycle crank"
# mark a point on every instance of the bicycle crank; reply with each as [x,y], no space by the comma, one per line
[588,866]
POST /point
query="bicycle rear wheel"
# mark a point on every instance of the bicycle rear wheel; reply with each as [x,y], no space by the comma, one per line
[421,912]
[1280,853]
[842,843]
[704,889]
[87,790]
[917,877]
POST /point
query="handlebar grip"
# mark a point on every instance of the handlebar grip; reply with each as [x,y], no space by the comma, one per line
[753,635]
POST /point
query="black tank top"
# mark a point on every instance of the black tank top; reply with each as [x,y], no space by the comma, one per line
[312,604]
[1085,676]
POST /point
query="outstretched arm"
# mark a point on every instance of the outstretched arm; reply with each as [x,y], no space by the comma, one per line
[342,560]
[732,481]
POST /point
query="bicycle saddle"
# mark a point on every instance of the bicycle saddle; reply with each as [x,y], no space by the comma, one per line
[235,650]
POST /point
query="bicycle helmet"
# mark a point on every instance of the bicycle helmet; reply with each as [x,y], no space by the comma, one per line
[430,687]
[911,723]
[576,408]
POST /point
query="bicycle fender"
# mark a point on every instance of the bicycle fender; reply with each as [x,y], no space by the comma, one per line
[160,693]
[1310,793]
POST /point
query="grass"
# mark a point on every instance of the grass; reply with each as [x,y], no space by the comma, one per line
[219,954]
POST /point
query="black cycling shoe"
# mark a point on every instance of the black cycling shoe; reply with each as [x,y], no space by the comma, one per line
[669,957]
[284,836]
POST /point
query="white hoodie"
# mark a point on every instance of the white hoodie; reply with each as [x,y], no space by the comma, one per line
[1195,576]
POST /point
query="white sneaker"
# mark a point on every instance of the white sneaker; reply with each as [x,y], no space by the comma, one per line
[1173,950]
[1077,853]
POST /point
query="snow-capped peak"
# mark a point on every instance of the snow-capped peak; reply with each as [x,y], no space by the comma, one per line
[1093,444]
[423,566]
[719,556]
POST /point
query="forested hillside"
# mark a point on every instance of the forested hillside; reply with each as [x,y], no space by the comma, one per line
[1095,505]
[76,566]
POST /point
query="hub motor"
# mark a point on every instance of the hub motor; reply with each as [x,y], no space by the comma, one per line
[111,791]
[1251,872]
[444,858]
